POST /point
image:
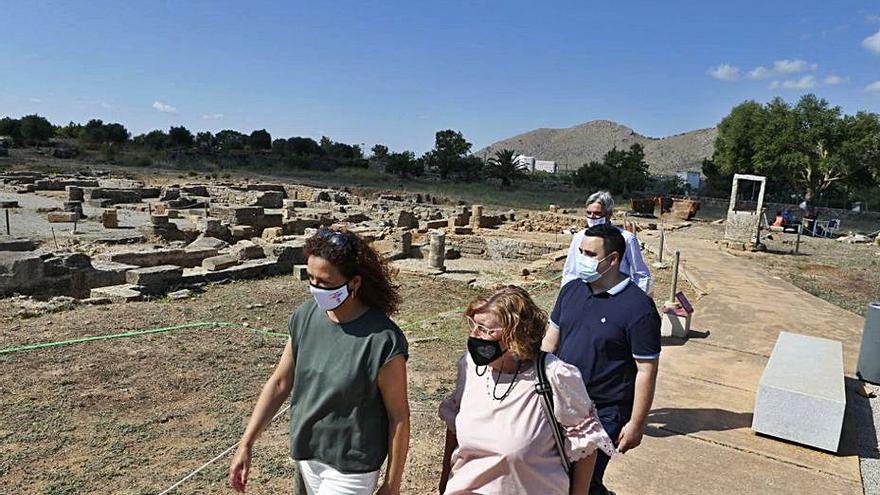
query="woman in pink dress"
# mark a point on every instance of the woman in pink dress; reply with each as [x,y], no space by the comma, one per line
[499,438]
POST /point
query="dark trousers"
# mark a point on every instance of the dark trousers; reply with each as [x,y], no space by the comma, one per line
[612,419]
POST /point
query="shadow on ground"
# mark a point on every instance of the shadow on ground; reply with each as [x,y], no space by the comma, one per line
[670,421]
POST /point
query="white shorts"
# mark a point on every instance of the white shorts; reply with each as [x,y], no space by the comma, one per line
[321,479]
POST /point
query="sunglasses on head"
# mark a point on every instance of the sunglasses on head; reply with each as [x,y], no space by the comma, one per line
[334,237]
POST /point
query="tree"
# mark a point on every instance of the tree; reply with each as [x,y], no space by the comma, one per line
[35,129]
[403,164]
[205,140]
[230,140]
[620,171]
[380,152]
[810,147]
[303,146]
[12,128]
[448,156]
[180,137]
[69,131]
[116,133]
[505,165]
[156,140]
[260,140]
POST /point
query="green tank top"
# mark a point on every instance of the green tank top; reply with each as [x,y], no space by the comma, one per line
[338,416]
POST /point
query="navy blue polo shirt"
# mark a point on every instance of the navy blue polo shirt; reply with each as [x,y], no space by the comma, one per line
[603,334]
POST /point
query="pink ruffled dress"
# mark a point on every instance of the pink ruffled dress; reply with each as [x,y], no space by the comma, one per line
[507,446]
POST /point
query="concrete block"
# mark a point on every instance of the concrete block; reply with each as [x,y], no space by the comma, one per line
[219,262]
[161,275]
[672,325]
[63,216]
[801,396]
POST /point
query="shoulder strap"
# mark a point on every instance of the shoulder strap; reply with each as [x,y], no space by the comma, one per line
[545,392]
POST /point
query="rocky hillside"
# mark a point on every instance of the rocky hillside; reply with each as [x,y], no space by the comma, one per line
[573,147]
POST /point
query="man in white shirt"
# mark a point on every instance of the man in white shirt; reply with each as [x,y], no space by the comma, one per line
[600,207]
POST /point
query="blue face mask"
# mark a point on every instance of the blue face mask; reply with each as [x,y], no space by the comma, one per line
[588,268]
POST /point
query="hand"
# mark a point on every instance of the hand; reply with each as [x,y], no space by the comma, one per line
[630,437]
[385,489]
[239,468]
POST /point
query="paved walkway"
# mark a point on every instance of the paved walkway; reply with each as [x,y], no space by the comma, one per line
[699,438]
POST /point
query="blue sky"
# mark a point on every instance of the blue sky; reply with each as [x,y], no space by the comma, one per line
[397,71]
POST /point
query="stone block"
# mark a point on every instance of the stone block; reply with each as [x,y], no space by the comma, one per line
[17,245]
[241,231]
[269,199]
[117,293]
[219,262]
[435,224]
[159,219]
[19,270]
[108,273]
[75,193]
[110,219]
[301,272]
[206,242]
[63,216]
[154,276]
[196,190]
[100,202]
[801,395]
[272,233]
[247,250]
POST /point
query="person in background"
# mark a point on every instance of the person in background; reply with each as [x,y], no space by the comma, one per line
[499,439]
[345,361]
[600,207]
[603,324]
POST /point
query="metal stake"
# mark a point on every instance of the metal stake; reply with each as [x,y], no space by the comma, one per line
[7,220]
[674,277]
[662,243]
[797,245]
[53,237]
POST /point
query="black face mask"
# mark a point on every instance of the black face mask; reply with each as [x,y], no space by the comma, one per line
[484,351]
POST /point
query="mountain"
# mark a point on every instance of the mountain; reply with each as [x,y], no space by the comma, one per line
[572,147]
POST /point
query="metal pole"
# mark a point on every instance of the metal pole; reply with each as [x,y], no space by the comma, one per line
[53,237]
[797,245]
[7,220]
[662,242]
[674,277]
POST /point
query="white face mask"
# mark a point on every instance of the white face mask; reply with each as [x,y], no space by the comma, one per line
[588,268]
[329,299]
[592,222]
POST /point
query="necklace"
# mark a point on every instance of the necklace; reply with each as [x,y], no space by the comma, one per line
[495,386]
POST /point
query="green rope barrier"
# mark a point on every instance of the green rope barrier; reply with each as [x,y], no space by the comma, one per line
[44,345]
[136,333]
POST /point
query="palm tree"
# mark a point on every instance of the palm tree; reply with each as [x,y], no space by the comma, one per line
[505,165]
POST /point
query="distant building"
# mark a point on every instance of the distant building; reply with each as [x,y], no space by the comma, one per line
[533,165]
[691,178]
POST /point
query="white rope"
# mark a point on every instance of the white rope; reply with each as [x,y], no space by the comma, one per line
[218,457]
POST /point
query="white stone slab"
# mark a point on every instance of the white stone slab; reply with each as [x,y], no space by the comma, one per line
[801,396]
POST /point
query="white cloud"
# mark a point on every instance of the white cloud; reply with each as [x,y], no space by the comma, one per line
[164,107]
[871,19]
[806,82]
[760,72]
[874,87]
[212,116]
[781,68]
[724,72]
[786,66]
[872,43]
[832,80]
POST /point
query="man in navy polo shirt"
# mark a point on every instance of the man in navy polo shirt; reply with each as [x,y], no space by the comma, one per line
[610,329]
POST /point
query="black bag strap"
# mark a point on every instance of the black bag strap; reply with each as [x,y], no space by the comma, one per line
[545,391]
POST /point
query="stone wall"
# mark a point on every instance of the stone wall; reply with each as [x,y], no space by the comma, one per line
[499,248]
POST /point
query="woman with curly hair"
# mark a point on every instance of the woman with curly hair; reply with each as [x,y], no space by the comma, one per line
[500,438]
[345,361]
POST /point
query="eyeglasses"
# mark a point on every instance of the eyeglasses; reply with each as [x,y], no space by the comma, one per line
[482,330]
[334,237]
